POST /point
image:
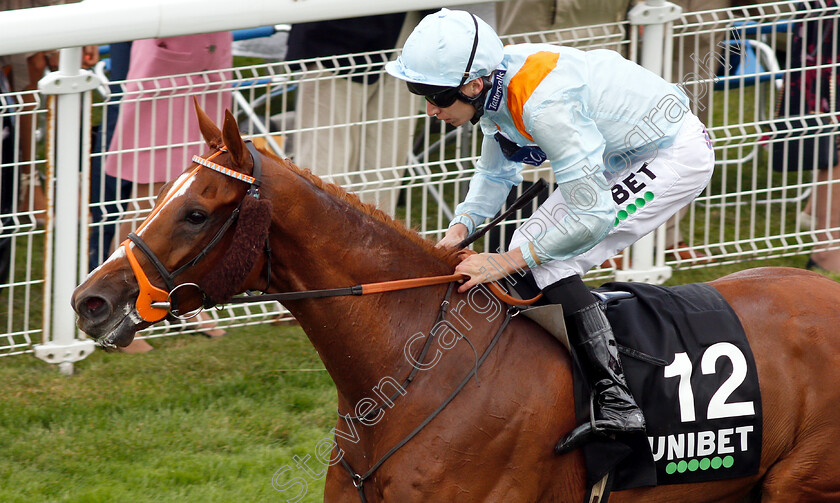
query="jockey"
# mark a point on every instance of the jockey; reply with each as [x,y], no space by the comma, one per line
[625,149]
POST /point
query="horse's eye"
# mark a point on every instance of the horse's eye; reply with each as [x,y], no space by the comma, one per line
[196,217]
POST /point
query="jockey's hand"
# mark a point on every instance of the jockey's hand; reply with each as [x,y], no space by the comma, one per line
[487,267]
[454,235]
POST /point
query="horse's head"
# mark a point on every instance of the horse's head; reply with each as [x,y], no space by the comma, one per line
[202,243]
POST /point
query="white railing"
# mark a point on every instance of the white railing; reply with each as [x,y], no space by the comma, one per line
[95,22]
[749,210]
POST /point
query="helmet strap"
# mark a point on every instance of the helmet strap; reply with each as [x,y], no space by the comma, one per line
[472,53]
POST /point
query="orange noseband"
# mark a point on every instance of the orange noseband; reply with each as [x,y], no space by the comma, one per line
[149,293]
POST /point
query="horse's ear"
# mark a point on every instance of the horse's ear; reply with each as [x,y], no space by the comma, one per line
[211,133]
[233,140]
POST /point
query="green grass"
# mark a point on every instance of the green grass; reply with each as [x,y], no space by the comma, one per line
[194,420]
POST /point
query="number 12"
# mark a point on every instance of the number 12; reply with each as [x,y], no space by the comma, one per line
[718,408]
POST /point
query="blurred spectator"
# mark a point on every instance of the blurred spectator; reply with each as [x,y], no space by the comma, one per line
[7,180]
[814,46]
[106,191]
[524,16]
[25,70]
[157,119]
[361,123]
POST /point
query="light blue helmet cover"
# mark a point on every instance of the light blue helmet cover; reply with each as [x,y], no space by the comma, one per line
[437,51]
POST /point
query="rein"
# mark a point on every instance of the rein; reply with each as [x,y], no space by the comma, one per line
[360,478]
[363,289]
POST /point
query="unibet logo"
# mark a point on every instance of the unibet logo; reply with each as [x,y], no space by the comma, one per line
[700,450]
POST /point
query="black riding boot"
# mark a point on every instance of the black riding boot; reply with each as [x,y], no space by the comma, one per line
[615,410]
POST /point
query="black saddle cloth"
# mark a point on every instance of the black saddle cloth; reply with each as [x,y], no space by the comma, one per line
[702,407]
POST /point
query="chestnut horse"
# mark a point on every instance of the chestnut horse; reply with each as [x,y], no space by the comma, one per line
[494,440]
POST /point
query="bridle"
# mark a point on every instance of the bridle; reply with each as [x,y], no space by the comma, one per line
[153,303]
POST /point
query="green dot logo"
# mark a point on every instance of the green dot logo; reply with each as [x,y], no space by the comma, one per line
[693,465]
[633,207]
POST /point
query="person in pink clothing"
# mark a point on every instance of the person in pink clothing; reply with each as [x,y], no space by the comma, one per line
[157,131]
[156,120]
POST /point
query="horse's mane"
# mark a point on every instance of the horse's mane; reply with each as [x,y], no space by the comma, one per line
[448,257]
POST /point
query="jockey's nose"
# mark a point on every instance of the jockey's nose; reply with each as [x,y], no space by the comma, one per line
[431,110]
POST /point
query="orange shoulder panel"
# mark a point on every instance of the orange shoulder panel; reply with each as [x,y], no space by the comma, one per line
[526,80]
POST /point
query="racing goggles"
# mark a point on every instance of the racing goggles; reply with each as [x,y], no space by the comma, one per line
[439,96]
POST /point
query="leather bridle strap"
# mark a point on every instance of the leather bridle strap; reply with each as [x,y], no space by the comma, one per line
[161,269]
[169,278]
[149,293]
[151,299]
[360,478]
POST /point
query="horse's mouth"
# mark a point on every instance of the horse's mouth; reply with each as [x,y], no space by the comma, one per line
[118,334]
[120,337]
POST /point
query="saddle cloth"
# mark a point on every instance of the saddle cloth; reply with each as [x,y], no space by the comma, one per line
[701,401]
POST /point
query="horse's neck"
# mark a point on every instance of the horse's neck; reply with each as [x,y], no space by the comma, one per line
[360,339]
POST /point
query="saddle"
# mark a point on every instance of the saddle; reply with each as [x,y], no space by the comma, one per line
[690,368]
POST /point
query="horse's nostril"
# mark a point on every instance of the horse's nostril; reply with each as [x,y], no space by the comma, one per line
[94,303]
[94,308]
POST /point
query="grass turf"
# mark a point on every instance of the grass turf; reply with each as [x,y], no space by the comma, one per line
[194,420]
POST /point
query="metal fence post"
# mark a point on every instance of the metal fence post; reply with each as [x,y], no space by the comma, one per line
[70,84]
[656,16]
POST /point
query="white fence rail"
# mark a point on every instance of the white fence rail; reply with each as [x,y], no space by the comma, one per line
[92,22]
[732,62]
